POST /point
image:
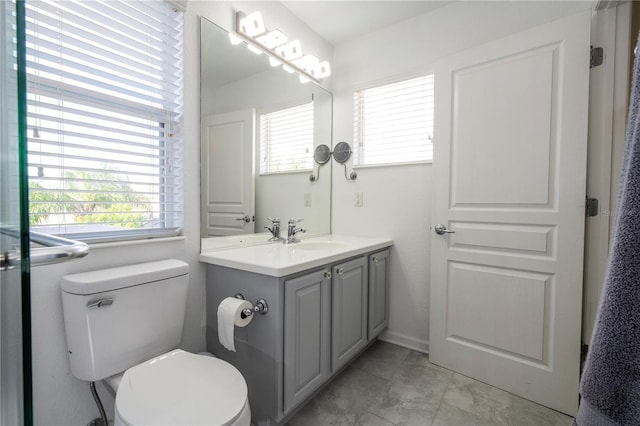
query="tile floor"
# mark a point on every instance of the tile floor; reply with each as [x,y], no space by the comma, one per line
[390,385]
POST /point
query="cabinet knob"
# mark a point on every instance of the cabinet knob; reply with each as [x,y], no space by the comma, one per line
[375,259]
[327,275]
[340,271]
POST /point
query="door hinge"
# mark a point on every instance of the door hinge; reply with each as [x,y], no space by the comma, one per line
[591,207]
[597,57]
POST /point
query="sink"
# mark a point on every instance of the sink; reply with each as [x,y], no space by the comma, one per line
[318,245]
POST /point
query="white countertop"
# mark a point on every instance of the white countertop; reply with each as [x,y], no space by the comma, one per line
[278,259]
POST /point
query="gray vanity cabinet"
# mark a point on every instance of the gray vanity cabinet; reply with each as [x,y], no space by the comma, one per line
[318,320]
[307,311]
[378,293]
[349,311]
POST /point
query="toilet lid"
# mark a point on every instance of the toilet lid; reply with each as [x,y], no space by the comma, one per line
[180,388]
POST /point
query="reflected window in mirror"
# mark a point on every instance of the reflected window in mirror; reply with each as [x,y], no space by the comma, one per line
[393,123]
[286,139]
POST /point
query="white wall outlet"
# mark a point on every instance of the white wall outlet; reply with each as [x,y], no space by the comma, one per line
[307,199]
[358,199]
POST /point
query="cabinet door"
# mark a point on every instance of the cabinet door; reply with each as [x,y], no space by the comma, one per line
[349,316]
[307,313]
[378,292]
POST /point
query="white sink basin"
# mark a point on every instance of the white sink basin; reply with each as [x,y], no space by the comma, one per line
[279,260]
[317,245]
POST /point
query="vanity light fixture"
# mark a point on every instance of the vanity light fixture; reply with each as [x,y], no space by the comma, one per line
[280,50]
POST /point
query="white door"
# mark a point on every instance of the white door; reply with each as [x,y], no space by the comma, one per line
[227,174]
[509,180]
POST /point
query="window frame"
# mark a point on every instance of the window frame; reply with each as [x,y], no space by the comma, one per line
[277,108]
[357,145]
[169,139]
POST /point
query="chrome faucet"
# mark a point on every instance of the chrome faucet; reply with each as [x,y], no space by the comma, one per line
[292,231]
[275,229]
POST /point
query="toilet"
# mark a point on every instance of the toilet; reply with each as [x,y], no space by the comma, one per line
[123,326]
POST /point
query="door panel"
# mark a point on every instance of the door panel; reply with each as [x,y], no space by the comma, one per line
[227,178]
[349,316]
[484,96]
[378,293]
[510,162]
[510,304]
[306,336]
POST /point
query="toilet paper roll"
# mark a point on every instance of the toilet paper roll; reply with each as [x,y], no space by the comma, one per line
[230,316]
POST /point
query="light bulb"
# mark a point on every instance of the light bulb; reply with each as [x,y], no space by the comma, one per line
[272,39]
[252,24]
[322,70]
[290,51]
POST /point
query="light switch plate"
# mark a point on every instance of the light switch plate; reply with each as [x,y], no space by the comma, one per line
[358,199]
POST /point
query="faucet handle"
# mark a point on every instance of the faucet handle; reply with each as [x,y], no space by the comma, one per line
[294,221]
[274,219]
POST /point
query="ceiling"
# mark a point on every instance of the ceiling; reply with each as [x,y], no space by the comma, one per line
[340,21]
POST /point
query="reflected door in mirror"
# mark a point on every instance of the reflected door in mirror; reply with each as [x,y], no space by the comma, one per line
[227,173]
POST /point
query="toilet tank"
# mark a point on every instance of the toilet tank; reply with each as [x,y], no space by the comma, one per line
[119,317]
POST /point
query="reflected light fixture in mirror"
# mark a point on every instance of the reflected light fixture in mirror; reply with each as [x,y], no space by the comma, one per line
[251,29]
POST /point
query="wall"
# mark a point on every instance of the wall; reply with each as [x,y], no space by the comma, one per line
[397,198]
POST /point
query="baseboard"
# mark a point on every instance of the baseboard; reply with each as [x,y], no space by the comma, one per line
[405,341]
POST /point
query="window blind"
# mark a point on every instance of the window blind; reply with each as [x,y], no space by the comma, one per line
[286,140]
[394,123]
[104,117]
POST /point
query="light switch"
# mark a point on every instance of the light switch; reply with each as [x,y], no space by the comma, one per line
[307,199]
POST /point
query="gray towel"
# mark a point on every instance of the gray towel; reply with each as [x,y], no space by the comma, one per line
[610,386]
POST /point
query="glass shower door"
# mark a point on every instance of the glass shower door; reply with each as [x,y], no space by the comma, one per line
[15,365]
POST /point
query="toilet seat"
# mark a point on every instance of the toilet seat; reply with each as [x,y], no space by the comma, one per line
[180,388]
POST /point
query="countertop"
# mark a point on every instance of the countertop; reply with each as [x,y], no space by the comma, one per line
[278,259]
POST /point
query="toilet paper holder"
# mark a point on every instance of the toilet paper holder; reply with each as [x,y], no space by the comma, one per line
[260,306]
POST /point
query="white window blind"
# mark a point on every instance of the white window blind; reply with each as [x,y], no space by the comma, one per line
[104,116]
[394,123]
[286,140]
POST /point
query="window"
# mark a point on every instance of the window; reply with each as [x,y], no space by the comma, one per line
[394,123]
[104,118]
[286,140]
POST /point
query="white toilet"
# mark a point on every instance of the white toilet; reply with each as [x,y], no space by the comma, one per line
[123,326]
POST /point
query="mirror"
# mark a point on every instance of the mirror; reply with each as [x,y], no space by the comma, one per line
[341,153]
[239,92]
[321,156]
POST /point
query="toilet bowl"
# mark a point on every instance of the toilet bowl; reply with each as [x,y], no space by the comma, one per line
[118,320]
[180,388]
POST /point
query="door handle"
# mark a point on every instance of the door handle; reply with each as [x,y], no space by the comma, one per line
[442,229]
[246,218]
